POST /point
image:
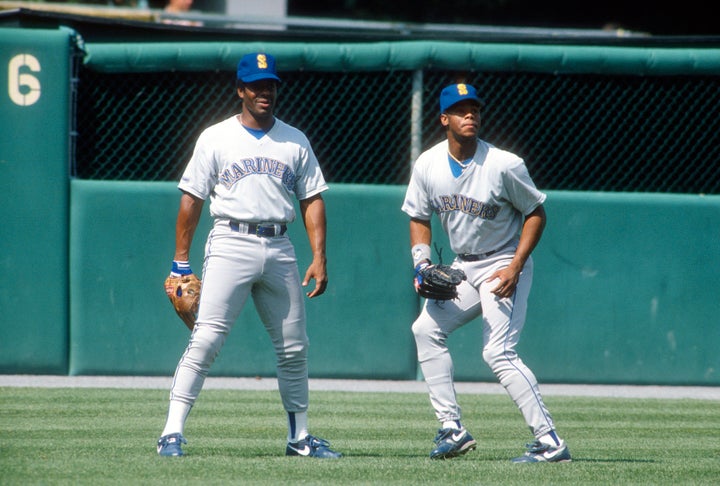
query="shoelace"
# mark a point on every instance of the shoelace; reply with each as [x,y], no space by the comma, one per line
[443,434]
[179,439]
[316,442]
[537,447]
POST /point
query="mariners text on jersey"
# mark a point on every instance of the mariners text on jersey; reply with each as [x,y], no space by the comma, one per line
[258,165]
[465,204]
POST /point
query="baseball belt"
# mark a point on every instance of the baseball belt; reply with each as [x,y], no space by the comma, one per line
[469,257]
[268,230]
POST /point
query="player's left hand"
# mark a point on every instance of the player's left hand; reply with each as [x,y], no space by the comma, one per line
[316,271]
[507,279]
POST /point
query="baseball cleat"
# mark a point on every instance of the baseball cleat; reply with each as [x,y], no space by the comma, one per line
[311,447]
[452,443]
[539,452]
[169,445]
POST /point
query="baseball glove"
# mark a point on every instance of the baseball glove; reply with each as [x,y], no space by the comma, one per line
[184,294]
[438,282]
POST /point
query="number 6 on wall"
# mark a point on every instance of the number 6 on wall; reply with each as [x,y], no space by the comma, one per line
[23,88]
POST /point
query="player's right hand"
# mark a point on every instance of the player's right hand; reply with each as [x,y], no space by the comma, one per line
[418,280]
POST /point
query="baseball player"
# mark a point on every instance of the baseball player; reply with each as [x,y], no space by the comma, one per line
[251,166]
[494,217]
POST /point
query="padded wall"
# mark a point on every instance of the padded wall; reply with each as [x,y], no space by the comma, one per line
[624,290]
[627,290]
[34,121]
[122,323]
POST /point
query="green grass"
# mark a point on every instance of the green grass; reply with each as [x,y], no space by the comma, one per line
[107,436]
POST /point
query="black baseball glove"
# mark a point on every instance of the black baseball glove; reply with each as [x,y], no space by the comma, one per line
[438,282]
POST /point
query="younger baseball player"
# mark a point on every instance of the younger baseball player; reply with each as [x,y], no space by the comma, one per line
[251,166]
[494,218]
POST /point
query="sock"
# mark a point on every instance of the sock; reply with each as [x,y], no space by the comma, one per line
[550,439]
[177,413]
[297,426]
[452,424]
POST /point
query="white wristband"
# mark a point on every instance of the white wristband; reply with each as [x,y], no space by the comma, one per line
[420,252]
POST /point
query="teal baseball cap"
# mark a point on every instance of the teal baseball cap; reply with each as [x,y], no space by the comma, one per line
[455,93]
[257,66]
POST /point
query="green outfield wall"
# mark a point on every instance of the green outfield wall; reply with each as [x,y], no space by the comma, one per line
[621,291]
[625,289]
[34,229]
[122,321]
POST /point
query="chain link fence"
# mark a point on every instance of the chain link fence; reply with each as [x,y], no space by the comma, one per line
[579,132]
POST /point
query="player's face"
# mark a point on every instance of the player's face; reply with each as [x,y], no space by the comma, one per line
[462,119]
[259,99]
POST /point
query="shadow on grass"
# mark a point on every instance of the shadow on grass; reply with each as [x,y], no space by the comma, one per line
[628,461]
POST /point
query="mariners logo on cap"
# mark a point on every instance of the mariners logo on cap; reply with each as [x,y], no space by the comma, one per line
[262,61]
[455,93]
[256,66]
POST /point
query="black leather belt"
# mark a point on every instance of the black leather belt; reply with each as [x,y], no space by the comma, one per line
[257,229]
[469,257]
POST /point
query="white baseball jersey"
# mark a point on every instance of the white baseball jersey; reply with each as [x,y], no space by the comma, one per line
[481,208]
[252,180]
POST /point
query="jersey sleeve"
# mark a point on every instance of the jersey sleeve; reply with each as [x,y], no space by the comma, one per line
[309,179]
[520,188]
[200,175]
[417,202]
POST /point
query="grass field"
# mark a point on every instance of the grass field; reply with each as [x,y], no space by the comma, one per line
[107,436]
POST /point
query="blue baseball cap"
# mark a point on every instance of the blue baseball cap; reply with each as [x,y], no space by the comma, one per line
[256,66]
[455,93]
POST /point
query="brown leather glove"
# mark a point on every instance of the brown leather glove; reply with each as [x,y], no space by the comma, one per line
[184,294]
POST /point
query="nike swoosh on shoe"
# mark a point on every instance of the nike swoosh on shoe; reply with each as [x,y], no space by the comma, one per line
[304,451]
[456,437]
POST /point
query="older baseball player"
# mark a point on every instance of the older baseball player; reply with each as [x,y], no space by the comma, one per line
[251,166]
[494,217]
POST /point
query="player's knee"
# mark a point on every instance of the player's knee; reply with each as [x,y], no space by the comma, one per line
[417,329]
[293,356]
[427,331]
[497,359]
[489,356]
[204,348]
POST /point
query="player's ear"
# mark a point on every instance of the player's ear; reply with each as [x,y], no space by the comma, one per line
[444,119]
[240,88]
